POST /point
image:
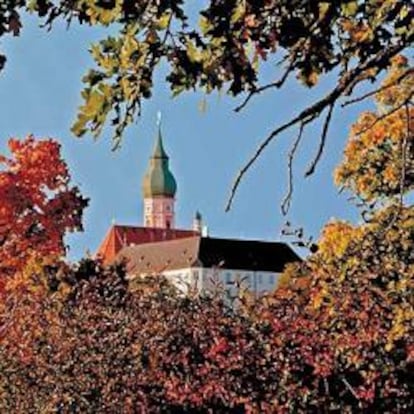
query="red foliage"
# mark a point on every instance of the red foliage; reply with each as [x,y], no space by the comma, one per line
[37,204]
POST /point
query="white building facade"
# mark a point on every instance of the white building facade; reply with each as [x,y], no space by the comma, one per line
[230,280]
[205,264]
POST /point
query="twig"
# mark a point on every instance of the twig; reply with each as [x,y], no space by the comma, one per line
[261,147]
[383,116]
[322,142]
[404,154]
[325,382]
[277,84]
[313,111]
[286,201]
[398,210]
[381,89]
[348,385]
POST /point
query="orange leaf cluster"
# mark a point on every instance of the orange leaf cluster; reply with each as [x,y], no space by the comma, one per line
[379,157]
[38,205]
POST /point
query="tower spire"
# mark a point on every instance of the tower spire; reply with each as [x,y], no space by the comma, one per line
[159,151]
[159,187]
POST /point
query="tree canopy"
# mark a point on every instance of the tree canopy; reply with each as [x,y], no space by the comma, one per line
[38,204]
[84,339]
[337,335]
[223,45]
[379,160]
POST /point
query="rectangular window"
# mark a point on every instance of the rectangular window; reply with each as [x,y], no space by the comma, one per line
[260,278]
[272,279]
[229,278]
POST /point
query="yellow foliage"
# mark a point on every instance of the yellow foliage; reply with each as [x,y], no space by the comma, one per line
[402,320]
[336,237]
[380,141]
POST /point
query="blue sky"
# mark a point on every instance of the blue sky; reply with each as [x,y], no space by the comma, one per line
[40,92]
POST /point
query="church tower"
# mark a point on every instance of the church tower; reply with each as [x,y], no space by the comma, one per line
[159,188]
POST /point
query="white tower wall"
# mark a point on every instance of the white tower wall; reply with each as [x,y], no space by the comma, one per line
[159,212]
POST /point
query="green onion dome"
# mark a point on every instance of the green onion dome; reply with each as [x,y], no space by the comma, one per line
[159,181]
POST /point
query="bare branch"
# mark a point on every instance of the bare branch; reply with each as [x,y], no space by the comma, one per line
[322,142]
[277,84]
[301,117]
[386,115]
[348,385]
[286,201]
[313,111]
[404,153]
[381,89]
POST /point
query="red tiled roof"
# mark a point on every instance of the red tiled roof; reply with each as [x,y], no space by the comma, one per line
[119,237]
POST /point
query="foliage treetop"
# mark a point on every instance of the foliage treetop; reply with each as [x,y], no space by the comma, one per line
[221,45]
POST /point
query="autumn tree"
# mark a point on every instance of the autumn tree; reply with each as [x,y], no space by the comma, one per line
[344,316]
[344,321]
[379,161]
[87,341]
[223,45]
[38,204]
[337,336]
